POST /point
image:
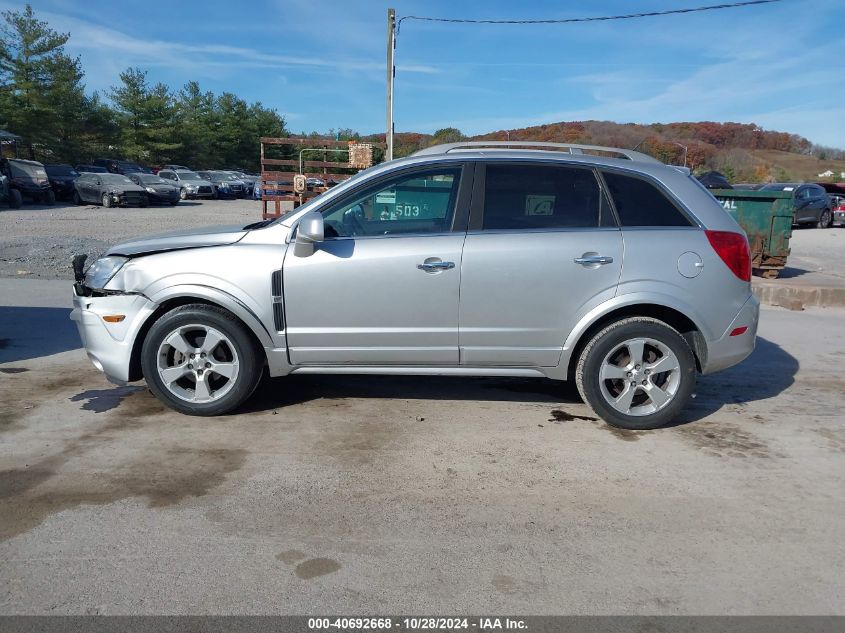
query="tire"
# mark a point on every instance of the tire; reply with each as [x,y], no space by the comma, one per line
[107,201]
[187,328]
[50,197]
[15,199]
[174,203]
[76,199]
[825,219]
[608,353]
[183,195]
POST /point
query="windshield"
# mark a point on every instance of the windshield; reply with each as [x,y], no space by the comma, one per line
[26,170]
[130,167]
[153,180]
[188,175]
[115,179]
[61,170]
[778,186]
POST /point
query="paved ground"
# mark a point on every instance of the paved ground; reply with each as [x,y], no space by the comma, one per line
[421,495]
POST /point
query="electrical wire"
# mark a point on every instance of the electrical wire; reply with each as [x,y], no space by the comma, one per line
[602,18]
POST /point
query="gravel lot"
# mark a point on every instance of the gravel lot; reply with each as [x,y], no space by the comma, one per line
[40,241]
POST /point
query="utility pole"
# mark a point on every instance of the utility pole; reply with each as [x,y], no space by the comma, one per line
[391,74]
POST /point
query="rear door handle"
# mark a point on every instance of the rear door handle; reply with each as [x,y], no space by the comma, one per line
[593,260]
[435,266]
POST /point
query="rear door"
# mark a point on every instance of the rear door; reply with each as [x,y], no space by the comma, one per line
[542,248]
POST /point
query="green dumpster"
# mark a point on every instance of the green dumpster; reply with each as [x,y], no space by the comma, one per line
[766,217]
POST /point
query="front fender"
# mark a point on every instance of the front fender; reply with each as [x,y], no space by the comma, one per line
[221,298]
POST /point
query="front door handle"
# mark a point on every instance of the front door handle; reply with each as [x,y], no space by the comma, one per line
[593,260]
[435,266]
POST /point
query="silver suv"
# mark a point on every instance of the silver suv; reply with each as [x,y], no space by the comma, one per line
[599,265]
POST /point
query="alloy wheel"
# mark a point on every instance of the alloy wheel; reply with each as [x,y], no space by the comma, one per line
[639,376]
[198,363]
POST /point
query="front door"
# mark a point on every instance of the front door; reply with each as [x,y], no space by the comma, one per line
[542,249]
[383,287]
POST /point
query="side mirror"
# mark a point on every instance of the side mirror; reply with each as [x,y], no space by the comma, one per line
[308,232]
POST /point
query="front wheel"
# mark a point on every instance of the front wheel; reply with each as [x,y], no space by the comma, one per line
[825,220]
[183,194]
[201,360]
[637,373]
[76,198]
[107,201]
[15,199]
[50,197]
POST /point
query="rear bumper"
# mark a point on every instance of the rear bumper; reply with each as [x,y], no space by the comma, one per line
[730,350]
[109,345]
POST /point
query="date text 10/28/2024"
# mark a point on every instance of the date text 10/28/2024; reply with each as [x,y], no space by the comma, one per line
[418,624]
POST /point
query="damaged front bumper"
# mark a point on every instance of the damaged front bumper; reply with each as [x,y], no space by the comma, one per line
[108,326]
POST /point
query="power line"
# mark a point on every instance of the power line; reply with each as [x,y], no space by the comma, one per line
[601,18]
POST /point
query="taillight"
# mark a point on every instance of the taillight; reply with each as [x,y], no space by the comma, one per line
[734,251]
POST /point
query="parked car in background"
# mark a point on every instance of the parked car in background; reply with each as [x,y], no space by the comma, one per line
[714,180]
[109,190]
[174,168]
[837,204]
[116,166]
[91,169]
[159,190]
[618,272]
[191,184]
[61,179]
[249,180]
[811,203]
[29,178]
[225,184]
[748,186]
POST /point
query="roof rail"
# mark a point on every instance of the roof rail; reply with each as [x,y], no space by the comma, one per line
[572,148]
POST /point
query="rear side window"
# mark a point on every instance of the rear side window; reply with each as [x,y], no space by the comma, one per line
[525,197]
[640,203]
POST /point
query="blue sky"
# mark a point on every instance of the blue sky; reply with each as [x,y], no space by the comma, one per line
[321,63]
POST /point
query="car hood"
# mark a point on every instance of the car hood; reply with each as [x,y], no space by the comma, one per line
[197,183]
[178,240]
[121,187]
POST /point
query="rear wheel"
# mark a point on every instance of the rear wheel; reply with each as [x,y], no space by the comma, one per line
[825,219]
[201,360]
[637,373]
[107,201]
[76,198]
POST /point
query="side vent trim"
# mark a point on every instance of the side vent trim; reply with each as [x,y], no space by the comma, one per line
[278,307]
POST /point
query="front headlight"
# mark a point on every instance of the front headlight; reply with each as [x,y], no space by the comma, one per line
[102,270]
[150,189]
[191,187]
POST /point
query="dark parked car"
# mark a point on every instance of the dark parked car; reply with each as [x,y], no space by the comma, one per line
[714,180]
[109,190]
[61,179]
[812,204]
[29,178]
[9,196]
[748,186]
[225,184]
[91,169]
[116,166]
[159,190]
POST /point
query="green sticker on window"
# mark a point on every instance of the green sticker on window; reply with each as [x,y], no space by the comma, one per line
[539,205]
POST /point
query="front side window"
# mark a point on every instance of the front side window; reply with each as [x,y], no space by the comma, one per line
[640,203]
[526,197]
[422,202]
